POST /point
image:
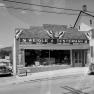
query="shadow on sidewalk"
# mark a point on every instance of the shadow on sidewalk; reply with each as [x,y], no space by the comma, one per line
[6,75]
[92,73]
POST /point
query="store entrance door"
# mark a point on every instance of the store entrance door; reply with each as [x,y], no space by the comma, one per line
[79,58]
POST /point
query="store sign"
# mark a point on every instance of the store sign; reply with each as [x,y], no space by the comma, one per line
[53,41]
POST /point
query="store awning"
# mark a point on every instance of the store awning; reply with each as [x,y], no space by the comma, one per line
[55,47]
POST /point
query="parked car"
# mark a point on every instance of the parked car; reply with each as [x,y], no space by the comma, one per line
[91,68]
[5,70]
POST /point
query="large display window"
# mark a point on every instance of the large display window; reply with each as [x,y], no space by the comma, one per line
[46,57]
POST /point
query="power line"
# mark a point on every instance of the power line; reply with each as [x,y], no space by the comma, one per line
[36,10]
[46,6]
[41,5]
[19,8]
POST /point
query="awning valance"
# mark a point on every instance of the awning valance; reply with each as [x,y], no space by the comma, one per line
[55,47]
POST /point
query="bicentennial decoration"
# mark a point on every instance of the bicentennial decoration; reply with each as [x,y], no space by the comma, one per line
[61,34]
[52,34]
[89,35]
[18,32]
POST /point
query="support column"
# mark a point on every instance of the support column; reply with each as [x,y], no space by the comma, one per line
[83,63]
[84,57]
[71,61]
[14,57]
[21,58]
[88,57]
[49,57]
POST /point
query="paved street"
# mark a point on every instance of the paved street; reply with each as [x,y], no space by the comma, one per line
[54,85]
[6,79]
[66,81]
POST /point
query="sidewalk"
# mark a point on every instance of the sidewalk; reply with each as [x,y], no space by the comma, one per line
[48,75]
[55,73]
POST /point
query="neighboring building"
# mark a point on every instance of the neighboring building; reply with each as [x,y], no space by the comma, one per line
[6,56]
[39,48]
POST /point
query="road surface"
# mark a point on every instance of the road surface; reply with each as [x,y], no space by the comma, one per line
[58,85]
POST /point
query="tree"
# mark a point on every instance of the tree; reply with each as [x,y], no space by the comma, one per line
[3,53]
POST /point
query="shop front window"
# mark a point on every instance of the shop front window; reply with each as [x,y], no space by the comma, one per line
[46,57]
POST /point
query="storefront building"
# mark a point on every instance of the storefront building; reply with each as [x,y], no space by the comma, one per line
[50,47]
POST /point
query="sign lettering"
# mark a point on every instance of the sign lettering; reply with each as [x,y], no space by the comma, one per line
[53,41]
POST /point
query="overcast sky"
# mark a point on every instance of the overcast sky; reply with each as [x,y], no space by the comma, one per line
[11,19]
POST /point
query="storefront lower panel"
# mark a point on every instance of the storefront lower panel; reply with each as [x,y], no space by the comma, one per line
[41,69]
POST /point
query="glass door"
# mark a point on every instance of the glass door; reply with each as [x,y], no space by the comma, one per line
[78,58]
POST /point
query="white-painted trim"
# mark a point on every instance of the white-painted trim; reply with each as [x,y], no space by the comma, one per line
[14,57]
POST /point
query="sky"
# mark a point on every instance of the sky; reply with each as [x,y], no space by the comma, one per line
[11,18]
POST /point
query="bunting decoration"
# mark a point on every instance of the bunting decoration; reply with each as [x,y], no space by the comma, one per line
[89,35]
[55,34]
[50,33]
[61,34]
[18,32]
[58,34]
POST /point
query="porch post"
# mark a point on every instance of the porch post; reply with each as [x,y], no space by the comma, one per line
[71,57]
[88,57]
[49,57]
[14,57]
[21,58]
[84,57]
